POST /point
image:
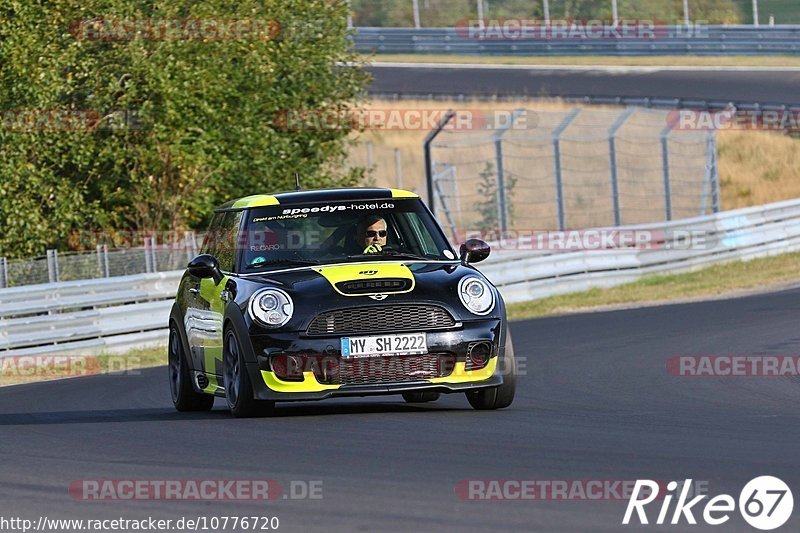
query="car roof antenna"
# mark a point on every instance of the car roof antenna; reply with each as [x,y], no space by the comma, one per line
[297,181]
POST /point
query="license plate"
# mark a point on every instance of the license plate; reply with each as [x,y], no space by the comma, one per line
[378,345]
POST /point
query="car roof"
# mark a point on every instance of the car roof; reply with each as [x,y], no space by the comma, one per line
[316,195]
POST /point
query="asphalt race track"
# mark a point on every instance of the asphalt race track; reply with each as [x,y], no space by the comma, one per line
[768,86]
[596,403]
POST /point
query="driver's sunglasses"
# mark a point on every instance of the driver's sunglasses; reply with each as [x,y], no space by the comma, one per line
[372,233]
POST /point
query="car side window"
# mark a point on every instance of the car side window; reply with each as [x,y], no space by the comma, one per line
[221,239]
[212,236]
[227,239]
[422,237]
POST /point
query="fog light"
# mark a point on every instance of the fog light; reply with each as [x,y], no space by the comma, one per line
[478,354]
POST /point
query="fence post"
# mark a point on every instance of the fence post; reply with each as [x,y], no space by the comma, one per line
[148,262]
[502,200]
[52,266]
[712,148]
[711,176]
[665,169]
[98,252]
[195,250]
[398,168]
[428,161]
[755,13]
[153,249]
[106,269]
[612,155]
[187,243]
[557,161]
[3,273]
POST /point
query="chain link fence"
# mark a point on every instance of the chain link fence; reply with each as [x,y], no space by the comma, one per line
[101,263]
[573,170]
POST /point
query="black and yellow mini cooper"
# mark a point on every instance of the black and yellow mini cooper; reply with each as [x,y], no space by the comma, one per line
[310,295]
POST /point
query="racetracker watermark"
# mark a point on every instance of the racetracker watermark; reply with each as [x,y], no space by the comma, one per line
[765,503]
[601,239]
[403,119]
[45,366]
[367,367]
[559,489]
[194,489]
[729,366]
[66,120]
[784,120]
[20,368]
[510,29]
[186,29]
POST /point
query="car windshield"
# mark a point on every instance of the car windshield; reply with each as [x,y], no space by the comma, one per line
[337,232]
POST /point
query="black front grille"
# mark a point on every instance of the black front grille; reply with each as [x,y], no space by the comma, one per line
[371,286]
[396,369]
[381,318]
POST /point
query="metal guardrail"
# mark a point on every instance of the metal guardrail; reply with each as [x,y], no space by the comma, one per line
[670,40]
[739,234]
[118,314]
[87,317]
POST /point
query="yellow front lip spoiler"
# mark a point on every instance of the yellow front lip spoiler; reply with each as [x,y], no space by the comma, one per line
[310,383]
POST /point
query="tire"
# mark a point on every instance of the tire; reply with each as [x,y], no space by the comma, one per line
[420,396]
[238,389]
[184,396]
[502,396]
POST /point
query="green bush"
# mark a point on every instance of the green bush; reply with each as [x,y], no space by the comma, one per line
[182,125]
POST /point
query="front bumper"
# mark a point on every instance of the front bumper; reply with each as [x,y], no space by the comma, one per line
[455,342]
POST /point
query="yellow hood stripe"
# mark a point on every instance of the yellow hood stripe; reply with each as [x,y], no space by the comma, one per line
[371,271]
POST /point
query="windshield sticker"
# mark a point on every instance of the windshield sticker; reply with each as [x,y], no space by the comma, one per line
[335,208]
[303,212]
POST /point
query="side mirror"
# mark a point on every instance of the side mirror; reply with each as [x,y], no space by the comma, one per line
[474,251]
[205,266]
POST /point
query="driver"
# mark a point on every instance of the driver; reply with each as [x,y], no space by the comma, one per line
[371,233]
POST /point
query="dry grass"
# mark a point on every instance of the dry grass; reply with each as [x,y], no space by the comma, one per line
[596,61]
[758,168]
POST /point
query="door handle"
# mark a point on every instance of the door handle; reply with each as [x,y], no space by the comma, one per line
[194,291]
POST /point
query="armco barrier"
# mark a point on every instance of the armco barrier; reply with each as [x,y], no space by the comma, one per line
[88,316]
[728,236]
[117,314]
[675,40]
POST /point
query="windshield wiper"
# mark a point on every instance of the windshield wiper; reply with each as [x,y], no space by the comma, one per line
[297,261]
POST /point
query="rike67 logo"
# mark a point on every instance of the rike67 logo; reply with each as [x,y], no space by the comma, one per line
[765,503]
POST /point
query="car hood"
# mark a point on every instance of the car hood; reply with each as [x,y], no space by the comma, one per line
[318,289]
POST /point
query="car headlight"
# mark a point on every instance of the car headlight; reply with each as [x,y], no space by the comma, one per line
[476,295]
[271,307]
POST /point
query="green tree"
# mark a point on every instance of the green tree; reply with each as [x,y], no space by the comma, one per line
[183,124]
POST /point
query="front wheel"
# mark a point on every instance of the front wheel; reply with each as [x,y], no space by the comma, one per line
[184,397]
[238,389]
[501,396]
